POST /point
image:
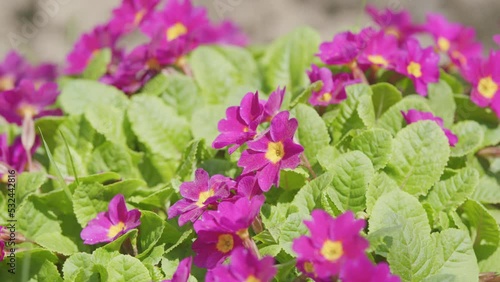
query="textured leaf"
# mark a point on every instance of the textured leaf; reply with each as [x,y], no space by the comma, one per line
[392,120]
[116,158]
[470,137]
[204,122]
[380,185]
[441,101]
[312,132]
[27,183]
[376,144]
[384,96]
[150,231]
[125,268]
[89,200]
[419,156]
[98,65]
[79,266]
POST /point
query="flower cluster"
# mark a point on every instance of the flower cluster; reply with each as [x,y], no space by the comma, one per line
[223,209]
[172,31]
[337,250]
[394,49]
[13,156]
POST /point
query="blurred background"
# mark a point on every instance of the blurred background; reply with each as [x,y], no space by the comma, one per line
[47,29]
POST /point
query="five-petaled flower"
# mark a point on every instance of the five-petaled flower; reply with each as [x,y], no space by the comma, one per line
[272,152]
[333,89]
[243,266]
[414,116]
[333,241]
[199,194]
[107,226]
[363,270]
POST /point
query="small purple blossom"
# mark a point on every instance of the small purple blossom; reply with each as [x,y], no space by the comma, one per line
[107,226]
[28,101]
[199,194]
[484,75]
[14,156]
[183,271]
[333,241]
[244,266]
[131,14]
[363,270]
[333,90]
[443,31]
[414,116]
[220,232]
[344,49]
[379,51]
[240,124]
[396,23]
[248,186]
[273,104]
[420,65]
[272,152]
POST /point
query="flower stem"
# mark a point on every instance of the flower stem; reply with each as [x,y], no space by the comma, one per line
[307,164]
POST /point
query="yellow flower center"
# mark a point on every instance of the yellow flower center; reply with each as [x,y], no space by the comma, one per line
[443,44]
[332,250]
[243,234]
[27,110]
[414,69]
[7,83]
[139,16]
[5,178]
[393,31]
[115,229]
[275,152]
[459,56]
[487,87]
[153,64]
[204,196]
[225,243]
[175,31]
[378,60]
[252,278]
[325,97]
[309,267]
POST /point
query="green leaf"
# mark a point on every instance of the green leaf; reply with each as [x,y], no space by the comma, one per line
[348,117]
[456,86]
[449,194]
[49,126]
[293,179]
[376,144]
[125,268]
[204,122]
[384,96]
[470,137]
[286,60]
[467,110]
[380,185]
[150,231]
[419,155]
[116,158]
[392,120]
[303,96]
[27,183]
[483,227]
[158,127]
[79,266]
[491,264]
[308,196]
[218,70]
[109,121]
[312,132]
[192,156]
[31,265]
[487,191]
[98,65]
[351,174]
[441,101]
[88,201]
[273,217]
[78,95]
[117,244]
[292,228]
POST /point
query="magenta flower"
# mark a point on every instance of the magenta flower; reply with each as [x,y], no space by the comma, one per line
[484,75]
[108,226]
[396,23]
[379,51]
[465,48]
[248,186]
[420,65]
[14,156]
[272,152]
[496,38]
[273,104]
[2,245]
[225,33]
[199,194]
[333,90]
[443,31]
[414,116]
[363,270]
[240,124]
[131,14]
[244,266]
[183,271]
[14,68]
[333,242]
[344,49]
[28,101]
[89,45]
[220,232]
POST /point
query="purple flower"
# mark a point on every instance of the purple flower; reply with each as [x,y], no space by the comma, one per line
[396,23]
[272,152]
[496,38]
[221,231]
[333,90]
[273,104]
[363,270]
[464,48]
[379,51]
[89,45]
[344,49]
[199,194]
[28,101]
[107,226]
[2,245]
[414,116]
[14,156]
[14,68]
[420,65]
[484,75]
[244,266]
[333,241]
[226,33]
[240,124]
[444,32]
[248,186]
[182,272]
[131,14]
